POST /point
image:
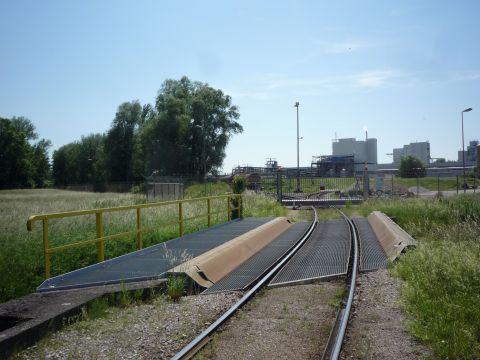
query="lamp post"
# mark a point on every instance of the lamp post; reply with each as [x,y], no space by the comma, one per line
[463,153]
[298,151]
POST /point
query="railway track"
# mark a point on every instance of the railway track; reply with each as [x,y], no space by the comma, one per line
[334,345]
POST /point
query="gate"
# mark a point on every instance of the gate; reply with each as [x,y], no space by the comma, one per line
[307,189]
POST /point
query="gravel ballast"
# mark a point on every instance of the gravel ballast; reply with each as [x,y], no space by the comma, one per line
[377,327]
[157,330]
[291,322]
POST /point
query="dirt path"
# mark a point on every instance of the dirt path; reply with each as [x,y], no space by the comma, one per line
[377,328]
[282,323]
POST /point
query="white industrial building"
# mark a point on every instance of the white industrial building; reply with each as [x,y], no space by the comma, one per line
[420,150]
[363,151]
[470,154]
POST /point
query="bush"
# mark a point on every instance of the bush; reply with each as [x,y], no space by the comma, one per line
[238,185]
[411,167]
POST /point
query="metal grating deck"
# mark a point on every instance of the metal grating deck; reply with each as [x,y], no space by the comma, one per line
[325,254]
[258,264]
[154,261]
[372,255]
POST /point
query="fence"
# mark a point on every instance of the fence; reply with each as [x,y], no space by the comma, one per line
[422,186]
[232,206]
[164,191]
[289,188]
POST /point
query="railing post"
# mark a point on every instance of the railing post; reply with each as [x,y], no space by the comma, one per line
[100,243]
[46,255]
[229,208]
[180,219]
[209,222]
[139,230]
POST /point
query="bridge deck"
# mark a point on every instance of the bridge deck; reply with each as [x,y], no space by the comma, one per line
[154,261]
[325,254]
[258,264]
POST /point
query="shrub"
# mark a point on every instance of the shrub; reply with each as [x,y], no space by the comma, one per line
[238,185]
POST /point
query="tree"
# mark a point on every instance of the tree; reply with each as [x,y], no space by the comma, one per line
[120,141]
[22,164]
[41,165]
[411,167]
[81,162]
[191,128]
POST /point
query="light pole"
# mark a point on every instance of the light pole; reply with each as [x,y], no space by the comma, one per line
[297,104]
[463,153]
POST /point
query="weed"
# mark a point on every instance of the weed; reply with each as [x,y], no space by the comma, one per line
[176,286]
[338,297]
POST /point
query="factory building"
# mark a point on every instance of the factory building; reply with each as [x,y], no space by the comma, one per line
[420,150]
[364,152]
[470,154]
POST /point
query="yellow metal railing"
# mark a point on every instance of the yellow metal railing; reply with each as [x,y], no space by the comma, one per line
[100,238]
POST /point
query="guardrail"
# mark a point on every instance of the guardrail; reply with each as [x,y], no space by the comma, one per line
[234,205]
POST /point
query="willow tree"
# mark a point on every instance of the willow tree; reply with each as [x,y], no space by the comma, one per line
[191,128]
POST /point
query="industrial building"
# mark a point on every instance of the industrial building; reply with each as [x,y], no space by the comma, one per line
[470,154]
[364,152]
[329,165]
[420,150]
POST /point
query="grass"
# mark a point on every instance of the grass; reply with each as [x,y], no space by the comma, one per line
[430,183]
[21,258]
[441,276]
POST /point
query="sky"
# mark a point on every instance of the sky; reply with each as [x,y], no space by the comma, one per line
[403,70]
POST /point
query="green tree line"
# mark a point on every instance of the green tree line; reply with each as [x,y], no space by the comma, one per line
[184,133]
[23,162]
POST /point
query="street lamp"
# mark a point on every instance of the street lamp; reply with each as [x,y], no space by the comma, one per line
[463,153]
[297,104]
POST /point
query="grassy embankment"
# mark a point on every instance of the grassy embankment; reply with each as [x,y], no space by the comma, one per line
[21,257]
[442,274]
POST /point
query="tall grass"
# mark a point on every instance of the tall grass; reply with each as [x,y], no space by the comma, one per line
[21,255]
[442,275]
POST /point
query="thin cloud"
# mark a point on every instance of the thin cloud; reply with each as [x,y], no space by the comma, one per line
[269,86]
[466,77]
[375,79]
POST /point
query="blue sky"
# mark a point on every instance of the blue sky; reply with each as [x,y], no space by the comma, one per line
[402,69]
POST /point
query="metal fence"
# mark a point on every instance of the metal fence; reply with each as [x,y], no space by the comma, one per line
[164,191]
[393,185]
[291,189]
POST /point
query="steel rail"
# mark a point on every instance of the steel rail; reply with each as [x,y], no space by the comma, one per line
[201,340]
[338,333]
